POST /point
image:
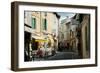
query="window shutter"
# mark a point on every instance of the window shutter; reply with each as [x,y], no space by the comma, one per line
[34,23]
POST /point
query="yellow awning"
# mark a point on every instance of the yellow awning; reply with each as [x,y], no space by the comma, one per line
[41,40]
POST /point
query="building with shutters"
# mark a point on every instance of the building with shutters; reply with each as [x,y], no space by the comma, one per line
[39,27]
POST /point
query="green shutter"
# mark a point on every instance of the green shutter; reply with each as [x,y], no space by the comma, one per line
[45,24]
[34,23]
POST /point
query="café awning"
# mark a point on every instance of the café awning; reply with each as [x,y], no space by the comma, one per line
[39,39]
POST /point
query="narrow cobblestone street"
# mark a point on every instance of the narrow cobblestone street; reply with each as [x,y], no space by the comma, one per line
[65,55]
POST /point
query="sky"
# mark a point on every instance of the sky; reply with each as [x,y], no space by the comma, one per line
[64,15]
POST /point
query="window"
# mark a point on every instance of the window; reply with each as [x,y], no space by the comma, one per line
[34,23]
[45,24]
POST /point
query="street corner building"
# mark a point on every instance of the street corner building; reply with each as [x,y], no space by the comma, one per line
[40,33]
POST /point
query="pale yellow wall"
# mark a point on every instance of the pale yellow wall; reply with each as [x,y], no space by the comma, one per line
[83,41]
[37,16]
[50,22]
[84,25]
[62,31]
[40,16]
[66,31]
